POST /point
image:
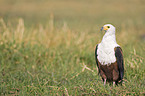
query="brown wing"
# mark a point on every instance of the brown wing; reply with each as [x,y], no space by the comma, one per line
[119,57]
[96,58]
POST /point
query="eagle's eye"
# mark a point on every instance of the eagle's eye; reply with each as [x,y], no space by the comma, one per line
[108,26]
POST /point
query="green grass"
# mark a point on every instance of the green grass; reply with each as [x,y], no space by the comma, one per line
[49,50]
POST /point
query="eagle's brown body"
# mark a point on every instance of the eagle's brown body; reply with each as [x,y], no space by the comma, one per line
[109,72]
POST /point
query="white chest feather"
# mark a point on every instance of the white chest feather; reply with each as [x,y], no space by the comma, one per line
[105,52]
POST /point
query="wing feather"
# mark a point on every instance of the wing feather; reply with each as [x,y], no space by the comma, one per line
[96,57]
[119,57]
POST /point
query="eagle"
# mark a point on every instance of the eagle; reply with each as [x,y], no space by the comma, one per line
[109,57]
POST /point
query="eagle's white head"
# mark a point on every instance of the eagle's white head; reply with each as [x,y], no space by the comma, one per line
[109,29]
[109,33]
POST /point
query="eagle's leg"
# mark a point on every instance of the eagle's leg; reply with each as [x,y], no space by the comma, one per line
[115,76]
[104,81]
[104,78]
[113,83]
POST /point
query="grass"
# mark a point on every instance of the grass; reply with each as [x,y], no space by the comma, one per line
[52,53]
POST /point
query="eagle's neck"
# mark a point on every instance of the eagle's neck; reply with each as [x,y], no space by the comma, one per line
[109,38]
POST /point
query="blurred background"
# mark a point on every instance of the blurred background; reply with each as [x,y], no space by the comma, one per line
[77,13]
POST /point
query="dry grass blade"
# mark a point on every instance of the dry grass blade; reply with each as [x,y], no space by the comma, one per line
[66,91]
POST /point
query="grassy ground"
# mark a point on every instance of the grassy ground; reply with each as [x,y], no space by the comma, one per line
[47,47]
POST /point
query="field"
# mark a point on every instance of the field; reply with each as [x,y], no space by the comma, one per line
[47,46]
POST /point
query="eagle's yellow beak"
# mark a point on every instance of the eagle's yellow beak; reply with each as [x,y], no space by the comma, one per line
[104,28]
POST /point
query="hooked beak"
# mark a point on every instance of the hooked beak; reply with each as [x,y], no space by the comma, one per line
[102,28]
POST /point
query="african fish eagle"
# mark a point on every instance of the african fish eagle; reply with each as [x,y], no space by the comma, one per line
[109,57]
